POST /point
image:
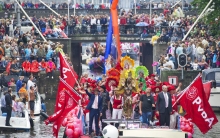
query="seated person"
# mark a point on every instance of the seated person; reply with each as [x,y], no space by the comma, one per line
[26,66]
[34,66]
[43,65]
[50,68]
[14,69]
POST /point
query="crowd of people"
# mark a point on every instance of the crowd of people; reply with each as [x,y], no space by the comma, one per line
[201,48]
[89,5]
[147,104]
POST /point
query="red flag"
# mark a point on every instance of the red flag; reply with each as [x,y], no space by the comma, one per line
[70,104]
[67,72]
[196,105]
[207,89]
[63,90]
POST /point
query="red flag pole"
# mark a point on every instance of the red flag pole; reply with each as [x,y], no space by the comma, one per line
[184,91]
[69,87]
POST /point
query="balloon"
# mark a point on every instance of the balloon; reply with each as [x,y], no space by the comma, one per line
[110,132]
[189,135]
[64,122]
[70,126]
[76,133]
[69,132]
[75,118]
[182,123]
[187,126]
[78,121]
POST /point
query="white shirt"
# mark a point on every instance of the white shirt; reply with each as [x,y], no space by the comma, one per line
[93,21]
[165,94]
[97,99]
[169,63]
[29,84]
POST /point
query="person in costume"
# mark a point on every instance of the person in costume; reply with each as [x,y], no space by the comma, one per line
[174,113]
[141,73]
[127,86]
[151,80]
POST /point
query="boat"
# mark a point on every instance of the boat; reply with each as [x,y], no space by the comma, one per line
[132,129]
[213,75]
[17,123]
[37,106]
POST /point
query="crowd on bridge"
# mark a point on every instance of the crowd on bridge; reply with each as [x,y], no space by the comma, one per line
[89,5]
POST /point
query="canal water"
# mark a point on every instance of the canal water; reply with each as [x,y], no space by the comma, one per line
[40,130]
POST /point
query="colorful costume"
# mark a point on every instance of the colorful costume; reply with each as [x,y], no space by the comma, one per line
[141,73]
[127,85]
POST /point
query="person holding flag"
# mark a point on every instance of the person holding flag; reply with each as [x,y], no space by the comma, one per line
[95,108]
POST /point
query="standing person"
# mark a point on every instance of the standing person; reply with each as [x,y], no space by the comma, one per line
[164,106]
[145,106]
[174,113]
[117,104]
[31,102]
[8,101]
[30,82]
[105,103]
[3,103]
[19,83]
[95,108]
[23,94]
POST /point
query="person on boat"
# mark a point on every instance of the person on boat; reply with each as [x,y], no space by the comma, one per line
[117,104]
[95,107]
[145,106]
[14,107]
[8,101]
[20,107]
[105,103]
[3,104]
[23,94]
[164,106]
[30,82]
[174,113]
[31,102]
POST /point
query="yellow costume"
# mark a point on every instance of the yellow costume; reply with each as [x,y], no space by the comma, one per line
[127,85]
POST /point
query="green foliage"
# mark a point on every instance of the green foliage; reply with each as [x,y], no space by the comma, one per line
[201,4]
[210,18]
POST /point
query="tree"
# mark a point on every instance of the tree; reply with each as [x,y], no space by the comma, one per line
[213,18]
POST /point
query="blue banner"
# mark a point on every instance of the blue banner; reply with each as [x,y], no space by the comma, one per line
[109,39]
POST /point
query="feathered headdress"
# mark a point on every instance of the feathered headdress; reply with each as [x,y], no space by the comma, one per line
[127,62]
[141,69]
[113,72]
[111,81]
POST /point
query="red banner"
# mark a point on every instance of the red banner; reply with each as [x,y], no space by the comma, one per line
[197,107]
[60,98]
[69,105]
[207,89]
[67,72]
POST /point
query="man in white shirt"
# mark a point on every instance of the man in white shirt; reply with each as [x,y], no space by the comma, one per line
[30,82]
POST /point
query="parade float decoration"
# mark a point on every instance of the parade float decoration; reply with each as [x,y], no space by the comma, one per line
[186,125]
[127,63]
[73,123]
[141,73]
[96,63]
[127,85]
